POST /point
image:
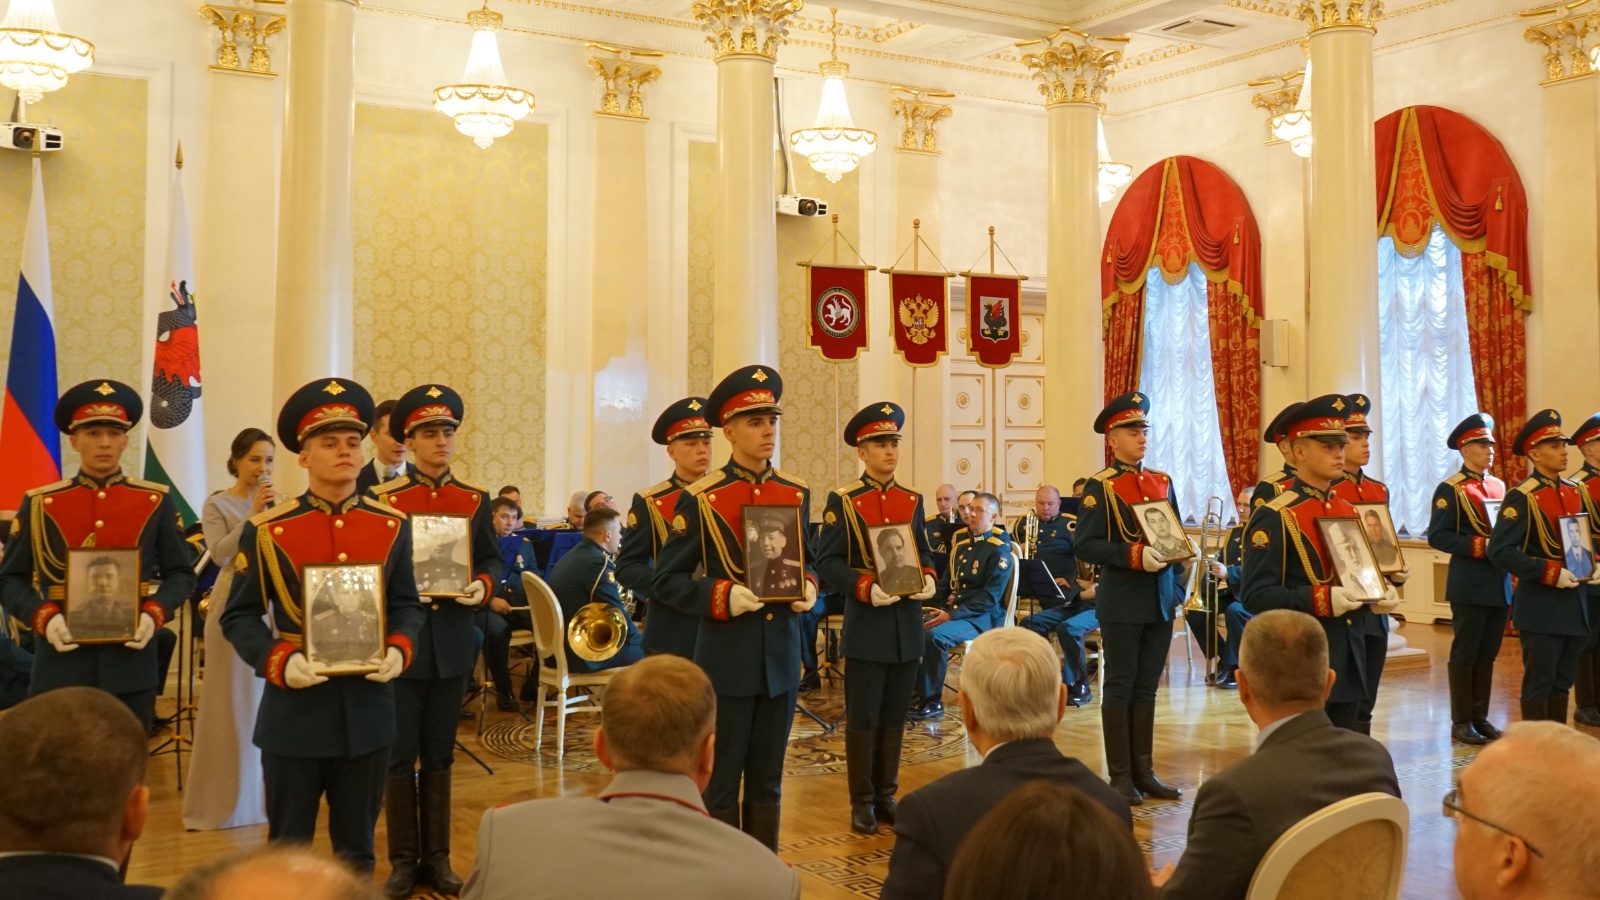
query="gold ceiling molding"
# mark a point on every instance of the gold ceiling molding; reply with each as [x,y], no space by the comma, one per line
[858,32]
[1285,8]
[1567,37]
[1070,66]
[1160,54]
[595,10]
[906,57]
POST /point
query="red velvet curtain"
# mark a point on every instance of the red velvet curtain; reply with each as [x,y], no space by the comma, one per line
[1179,211]
[1434,165]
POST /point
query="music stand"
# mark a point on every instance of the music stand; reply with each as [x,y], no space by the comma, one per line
[1038,584]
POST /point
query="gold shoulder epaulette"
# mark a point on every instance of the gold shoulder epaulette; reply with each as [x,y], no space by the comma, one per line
[392,485]
[996,540]
[143,485]
[274,511]
[711,480]
[1528,486]
[1104,474]
[844,489]
[797,482]
[1282,501]
[50,488]
[654,489]
[1581,476]
[380,506]
[1379,483]
[1158,472]
[467,486]
[1072,516]
[1455,479]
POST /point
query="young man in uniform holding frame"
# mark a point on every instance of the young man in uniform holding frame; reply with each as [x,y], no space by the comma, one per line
[1586,685]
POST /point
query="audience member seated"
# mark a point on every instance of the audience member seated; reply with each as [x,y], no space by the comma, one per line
[1011,699]
[1046,841]
[16,660]
[514,494]
[647,834]
[597,499]
[980,570]
[588,574]
[1527,826]
[1071,504]
[575,511]
[1300,762]
[72,798]
[499,619]
[388,455]
[271,873]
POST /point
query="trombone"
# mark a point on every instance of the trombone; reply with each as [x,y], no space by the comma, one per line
[1204,590]
[1030,535]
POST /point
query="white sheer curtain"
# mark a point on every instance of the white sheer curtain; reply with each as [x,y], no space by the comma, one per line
[1426,372]
[1175,372]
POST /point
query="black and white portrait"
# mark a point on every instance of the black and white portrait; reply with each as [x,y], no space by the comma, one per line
[344,630]
[774,554]
[1491,510]
[1385,543]
[894,558]
[102,594]
[1352,558]
[1577,548]
[1162,531]
[441,554]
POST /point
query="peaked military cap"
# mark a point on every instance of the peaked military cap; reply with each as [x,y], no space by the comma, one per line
[1588,431]
[324,404]
[425,404]
[875,420]
[1541,426]
[1129,409]
[1277,428]
[1476,427]
[99,402]
[1356,416]
[1322,418]
[686,418]
[752,389]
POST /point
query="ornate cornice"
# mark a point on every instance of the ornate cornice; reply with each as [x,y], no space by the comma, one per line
[857,32]
[1070,66]
[745,27]
[1568,37]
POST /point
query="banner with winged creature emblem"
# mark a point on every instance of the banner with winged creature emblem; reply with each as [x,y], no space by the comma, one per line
[994,327]
[919,313]
[838,310]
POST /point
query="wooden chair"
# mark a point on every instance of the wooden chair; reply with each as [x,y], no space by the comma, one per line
[555,681]
[1352,850]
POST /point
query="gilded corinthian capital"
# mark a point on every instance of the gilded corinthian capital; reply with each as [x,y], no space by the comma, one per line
[623,70]
[1072,67]
[1320,14]
[1568,38]
[746,27]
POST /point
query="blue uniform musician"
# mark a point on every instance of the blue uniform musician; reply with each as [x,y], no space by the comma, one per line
[981,568]
[1478,593]
[507,609]
[681,428]
[942,525]
[1273,484]
[750,649]
[585,584]
[882,628]
[1073,617]
[1548,605]
[1287,565]
[100,508]
[1136,596]
[428,696]
[319,734]
[1586,689]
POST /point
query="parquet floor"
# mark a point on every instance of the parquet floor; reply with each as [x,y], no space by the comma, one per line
[1199,731]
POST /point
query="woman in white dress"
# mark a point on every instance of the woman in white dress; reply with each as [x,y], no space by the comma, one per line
[225,785]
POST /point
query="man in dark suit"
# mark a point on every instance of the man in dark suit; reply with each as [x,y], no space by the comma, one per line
[388,455]
[1299,764]
[1011,699]
[73,800]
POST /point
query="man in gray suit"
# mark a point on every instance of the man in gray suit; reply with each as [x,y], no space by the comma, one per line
[1299,763]
[647,834]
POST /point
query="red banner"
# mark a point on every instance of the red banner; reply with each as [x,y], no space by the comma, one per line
[994,319]
[838,311]
[919,313]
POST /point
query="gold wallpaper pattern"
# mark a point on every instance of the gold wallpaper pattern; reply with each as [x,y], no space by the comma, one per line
[702,262]
[450,281]
[94,194]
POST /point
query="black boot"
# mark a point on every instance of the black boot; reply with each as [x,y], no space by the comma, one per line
[1586,689]
[886,772]
[761,823]
[1534,710]
[434,790]
[1119,766]
[1556,707]
[1461,727]
[400,814]
[730,816]
[1141,738]
[858,761]
[1482,684]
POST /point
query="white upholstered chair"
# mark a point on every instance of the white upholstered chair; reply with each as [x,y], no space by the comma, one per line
[556,682]
[1352,850]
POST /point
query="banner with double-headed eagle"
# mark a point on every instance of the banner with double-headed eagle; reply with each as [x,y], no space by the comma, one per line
[919,312]
[838,310]
[994,326]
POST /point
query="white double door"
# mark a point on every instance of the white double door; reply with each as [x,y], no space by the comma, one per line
[996,419]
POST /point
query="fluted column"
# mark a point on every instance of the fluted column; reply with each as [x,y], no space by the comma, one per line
[1072,72]
[313,330]
[1342,349]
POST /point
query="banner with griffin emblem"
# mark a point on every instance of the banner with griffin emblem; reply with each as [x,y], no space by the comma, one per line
[994,325]
[920,312]
[838,310]
[176,450]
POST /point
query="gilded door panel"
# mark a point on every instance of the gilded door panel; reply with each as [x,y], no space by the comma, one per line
[1024,398]
[1032,339]
[969,399]
[969,460]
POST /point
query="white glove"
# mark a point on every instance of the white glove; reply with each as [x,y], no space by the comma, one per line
[810,593]
[1390,601]
[142,634]
[1566,579]
[1150,561]
[474,595]
[1342,601]
[929,586]
[297,672]
[57,634]
[1595,577]
[1401,576]
[742,600]
[394,662]
[879,598]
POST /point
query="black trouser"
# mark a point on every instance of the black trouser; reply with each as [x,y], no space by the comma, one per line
[1135,654]
[1478,633]
[876,694]
[752,738]
[166,641]
[1377,653]
[497,630]
[426,712]
[1549,662]
[354,788]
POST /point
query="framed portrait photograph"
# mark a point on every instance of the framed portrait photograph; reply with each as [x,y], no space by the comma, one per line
[102,594]
[1354,566]
[774,553]
[441,554]
[1491,509]
[1381,536]
[1162,530]
[343,617]
[894,558]
[1577,546]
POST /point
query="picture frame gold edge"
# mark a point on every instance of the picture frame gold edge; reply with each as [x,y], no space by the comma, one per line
[138,598]
[383,622]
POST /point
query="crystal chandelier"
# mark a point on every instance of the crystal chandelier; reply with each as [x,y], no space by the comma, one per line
[834,145]
[483,107]
[1294,126]
[1113,175]
[35,57]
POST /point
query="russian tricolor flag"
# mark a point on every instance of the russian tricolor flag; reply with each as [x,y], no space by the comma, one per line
[29,442]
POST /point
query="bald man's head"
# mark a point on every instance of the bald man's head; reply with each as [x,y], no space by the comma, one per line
[271,873]
[1047,501]
[945,498]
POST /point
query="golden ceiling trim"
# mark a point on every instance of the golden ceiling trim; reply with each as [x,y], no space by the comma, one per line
[906,57]
[601,11]
[1281,8]
[859,32]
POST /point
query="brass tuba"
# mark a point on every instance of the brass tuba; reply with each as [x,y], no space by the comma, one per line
[597,632]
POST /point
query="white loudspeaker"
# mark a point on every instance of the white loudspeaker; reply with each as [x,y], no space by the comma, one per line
[1275,343]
